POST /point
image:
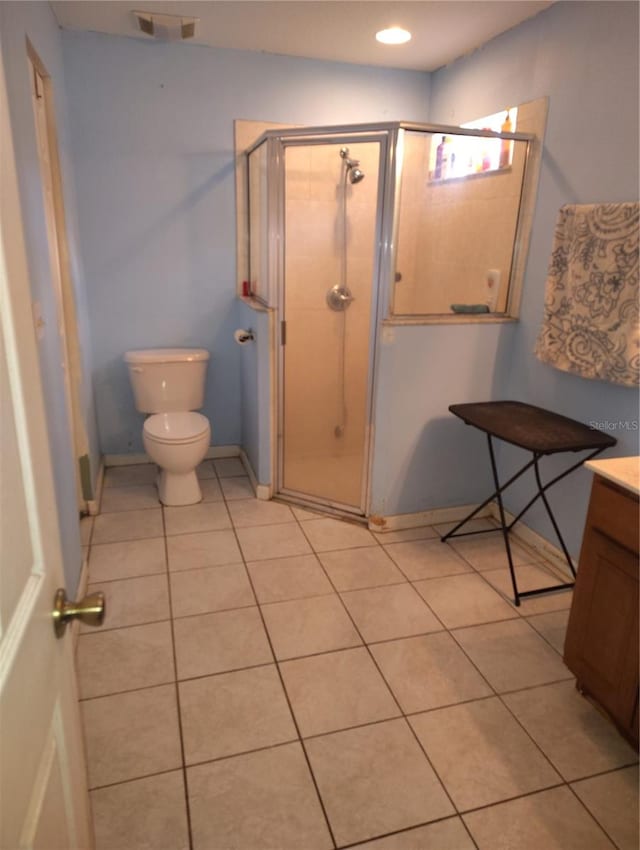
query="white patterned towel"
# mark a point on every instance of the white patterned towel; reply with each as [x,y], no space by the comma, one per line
[591,310]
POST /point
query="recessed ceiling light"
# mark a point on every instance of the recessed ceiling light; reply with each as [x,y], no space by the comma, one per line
[393,35]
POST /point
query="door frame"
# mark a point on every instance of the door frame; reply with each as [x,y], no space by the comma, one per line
[276,146]
[62,278]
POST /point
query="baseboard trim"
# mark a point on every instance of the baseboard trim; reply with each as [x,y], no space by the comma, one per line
[126,460]
[264,492]
[249,470]
[522,533]
[213,452]
[398,522]
[93,505]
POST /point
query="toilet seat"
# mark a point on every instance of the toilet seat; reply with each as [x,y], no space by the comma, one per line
[176,428]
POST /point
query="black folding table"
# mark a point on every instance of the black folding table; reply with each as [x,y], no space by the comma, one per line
[540,432]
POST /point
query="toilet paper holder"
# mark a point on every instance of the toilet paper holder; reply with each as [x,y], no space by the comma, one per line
[242,336]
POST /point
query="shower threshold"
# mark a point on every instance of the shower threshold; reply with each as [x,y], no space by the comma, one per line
[321,508]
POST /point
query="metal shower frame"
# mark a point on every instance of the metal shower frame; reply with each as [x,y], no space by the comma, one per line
[390,135]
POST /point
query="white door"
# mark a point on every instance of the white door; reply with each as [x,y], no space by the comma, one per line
[43,796]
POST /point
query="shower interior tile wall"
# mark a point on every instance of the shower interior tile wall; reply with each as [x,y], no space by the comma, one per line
[450,233]
[267,677]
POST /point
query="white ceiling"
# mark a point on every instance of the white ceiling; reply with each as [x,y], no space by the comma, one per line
[336,30]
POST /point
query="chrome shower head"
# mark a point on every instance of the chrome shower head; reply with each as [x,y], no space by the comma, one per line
[355,174]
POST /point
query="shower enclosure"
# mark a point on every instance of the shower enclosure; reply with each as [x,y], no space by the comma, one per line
[351,226]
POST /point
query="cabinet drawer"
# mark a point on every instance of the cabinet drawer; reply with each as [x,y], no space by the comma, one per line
[614,512]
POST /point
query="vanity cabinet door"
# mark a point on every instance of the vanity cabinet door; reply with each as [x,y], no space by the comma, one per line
[601,647]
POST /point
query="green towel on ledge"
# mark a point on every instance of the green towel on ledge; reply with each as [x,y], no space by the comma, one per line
[470,308]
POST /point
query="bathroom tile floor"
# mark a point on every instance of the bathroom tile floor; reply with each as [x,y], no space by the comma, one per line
[271,679]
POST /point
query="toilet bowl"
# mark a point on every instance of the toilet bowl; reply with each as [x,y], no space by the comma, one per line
[177,442]
[168,383]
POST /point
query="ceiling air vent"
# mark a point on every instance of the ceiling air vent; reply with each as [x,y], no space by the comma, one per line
[165,27]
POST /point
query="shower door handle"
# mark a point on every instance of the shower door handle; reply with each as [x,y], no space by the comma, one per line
[339,297]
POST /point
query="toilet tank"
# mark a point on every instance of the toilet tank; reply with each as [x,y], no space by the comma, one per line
[166,380]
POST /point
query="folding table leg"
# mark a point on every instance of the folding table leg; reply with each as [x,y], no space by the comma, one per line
[490,498]
[506,528]
[503,525]
[541,490]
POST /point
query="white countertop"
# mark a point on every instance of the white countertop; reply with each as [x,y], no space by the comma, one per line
[624,471]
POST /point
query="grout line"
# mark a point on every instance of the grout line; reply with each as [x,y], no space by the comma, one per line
[334,652]
[372,586]
[469,833]
[600,773]
[568,678]
[288,658]
[208,613]
[405,831]
[379,722]
[174,571]
[164,683]
[392,694]
[592,815]
[226,672]
[104,630]
[537,791]
[126,539]
[177,691]
[171,535]
[543,636]
[228,756]
[177,769]
[295,598]
[126,578]
[286,696]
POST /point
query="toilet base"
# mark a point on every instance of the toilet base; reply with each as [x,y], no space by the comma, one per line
[179,488]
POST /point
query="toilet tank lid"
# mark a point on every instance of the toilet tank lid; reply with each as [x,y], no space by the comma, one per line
[166,355]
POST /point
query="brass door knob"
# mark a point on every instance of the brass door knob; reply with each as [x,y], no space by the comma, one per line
[89,610]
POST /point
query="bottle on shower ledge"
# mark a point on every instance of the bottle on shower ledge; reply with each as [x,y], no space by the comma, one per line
[446,158]
[437,173]
[505,146]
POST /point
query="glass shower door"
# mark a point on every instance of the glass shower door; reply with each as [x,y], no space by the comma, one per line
[328,302]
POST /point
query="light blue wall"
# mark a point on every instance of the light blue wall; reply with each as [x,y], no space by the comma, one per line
[35,21]
[152,135]
[584,56]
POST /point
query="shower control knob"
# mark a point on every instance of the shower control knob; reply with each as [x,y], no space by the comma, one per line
[339,297]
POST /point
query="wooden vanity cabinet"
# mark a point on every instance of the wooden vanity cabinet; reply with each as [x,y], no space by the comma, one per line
[601,646]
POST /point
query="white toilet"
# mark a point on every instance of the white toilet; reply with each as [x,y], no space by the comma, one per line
[169,384]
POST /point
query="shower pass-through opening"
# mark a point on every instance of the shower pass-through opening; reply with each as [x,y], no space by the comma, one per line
[328,241]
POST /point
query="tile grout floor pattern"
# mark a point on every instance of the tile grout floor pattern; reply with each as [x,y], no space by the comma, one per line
[417,737]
